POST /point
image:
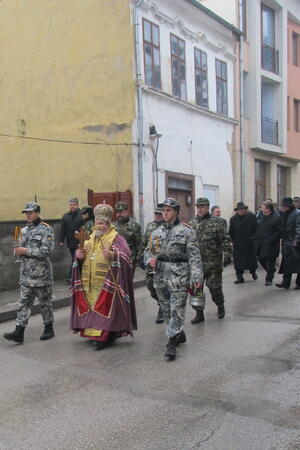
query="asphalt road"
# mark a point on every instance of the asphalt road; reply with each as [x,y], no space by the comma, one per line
[234,385]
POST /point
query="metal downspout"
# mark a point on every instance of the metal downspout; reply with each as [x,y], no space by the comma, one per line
[242,147]
[140,121]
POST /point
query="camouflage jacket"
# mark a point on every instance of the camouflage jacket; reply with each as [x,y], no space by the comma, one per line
[131,232]
[179,259]
[152,226]
[36,267]
[213,240]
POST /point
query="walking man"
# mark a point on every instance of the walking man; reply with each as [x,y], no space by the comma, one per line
[71,222]
[290,262]
[216,212]
[174,255]
[152,226]
[131,231]
[267,238]
[242,231]
[213,241]
[36,277]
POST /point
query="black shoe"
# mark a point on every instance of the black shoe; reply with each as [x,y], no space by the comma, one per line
[239,280]
[268,283]
[199,317]
[16,336]
[48,332]
[181,338]
[297,287]
[171,350]
[282,286]
[221,311]
[160,316]
[254,275]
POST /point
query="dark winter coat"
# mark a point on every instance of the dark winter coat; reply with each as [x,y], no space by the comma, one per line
[242,231]
[290,236]
[268,236]
[71,222]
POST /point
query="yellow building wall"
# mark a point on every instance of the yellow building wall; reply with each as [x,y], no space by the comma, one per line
[66,73]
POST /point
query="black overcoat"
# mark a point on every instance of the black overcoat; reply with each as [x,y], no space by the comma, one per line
[290,262]
[70,223]
[242,231]
[268,234]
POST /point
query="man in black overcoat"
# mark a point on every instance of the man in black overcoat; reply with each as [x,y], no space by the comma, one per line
[242,231]
[267,240]
[290,262]
[71,222]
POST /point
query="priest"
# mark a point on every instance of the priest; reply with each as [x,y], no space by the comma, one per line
[103,307]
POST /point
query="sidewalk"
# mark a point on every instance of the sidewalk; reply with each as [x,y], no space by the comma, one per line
[61,297]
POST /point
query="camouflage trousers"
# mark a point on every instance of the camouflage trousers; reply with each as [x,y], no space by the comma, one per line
[27,297]
[213,281]
[173,306]
[150,286]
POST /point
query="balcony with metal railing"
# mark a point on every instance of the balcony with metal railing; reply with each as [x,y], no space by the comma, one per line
[270,59]
[269,130]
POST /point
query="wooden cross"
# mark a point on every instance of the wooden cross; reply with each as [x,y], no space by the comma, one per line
[82,236]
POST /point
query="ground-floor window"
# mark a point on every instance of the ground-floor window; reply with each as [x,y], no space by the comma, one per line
[260,182]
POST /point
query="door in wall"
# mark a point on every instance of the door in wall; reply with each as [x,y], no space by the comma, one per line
[181,187]
[211,192]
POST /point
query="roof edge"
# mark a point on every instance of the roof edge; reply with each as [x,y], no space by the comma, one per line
[215,16]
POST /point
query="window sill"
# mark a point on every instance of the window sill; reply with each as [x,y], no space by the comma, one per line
[191,106]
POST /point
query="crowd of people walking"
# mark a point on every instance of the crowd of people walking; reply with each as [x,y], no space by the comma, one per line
[178,259]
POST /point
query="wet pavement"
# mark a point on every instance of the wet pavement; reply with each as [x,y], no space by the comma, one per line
[234,385]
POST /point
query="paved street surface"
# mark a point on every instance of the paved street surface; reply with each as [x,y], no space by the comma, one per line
[234,385]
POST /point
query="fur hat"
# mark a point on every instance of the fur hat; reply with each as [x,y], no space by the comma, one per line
[103,213]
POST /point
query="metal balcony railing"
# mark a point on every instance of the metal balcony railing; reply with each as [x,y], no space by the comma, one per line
[269,130]
[270,59]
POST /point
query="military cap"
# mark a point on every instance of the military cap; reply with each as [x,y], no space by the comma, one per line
[158,210]
[202,201]
[31,206]
[120,206]
[287,201]
[170,202]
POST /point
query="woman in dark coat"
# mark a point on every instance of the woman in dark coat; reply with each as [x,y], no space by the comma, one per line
[290,262]
[268,240]
[242,231]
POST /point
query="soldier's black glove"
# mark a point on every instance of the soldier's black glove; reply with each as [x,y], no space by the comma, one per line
[227,261]
[141,263]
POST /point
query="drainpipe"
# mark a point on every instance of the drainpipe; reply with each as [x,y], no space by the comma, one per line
[242,147]
[140,121]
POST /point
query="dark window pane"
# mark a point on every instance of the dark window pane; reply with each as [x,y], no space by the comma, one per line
[147,31]
[174,45]
[149,75]
[148,55]
[156,56]
[224,71]
[218,69]
[204,61]
[197,57]
[181,50]
[155,35]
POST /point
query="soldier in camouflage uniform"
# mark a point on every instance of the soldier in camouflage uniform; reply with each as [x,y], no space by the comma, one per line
[128,227]
[152,226]
[174,254]
[213,241]
[36,277]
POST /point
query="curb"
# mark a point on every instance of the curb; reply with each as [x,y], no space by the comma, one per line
[10,314]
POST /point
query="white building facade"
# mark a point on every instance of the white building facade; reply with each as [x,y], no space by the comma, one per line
[186,69]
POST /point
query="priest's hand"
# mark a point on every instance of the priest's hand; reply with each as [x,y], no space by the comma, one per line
[109,254]
[80,254]
[152,262]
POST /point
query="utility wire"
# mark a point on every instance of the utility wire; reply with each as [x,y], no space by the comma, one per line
[62,141]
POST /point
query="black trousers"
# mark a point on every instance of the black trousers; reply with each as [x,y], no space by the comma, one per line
[287,278]
[72,251]
[240,273]
[269,266]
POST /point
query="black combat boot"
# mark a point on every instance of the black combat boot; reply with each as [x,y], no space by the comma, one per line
[16,336]
[181,338]
[221,311]
[48,332]
[171,350]
[160,316]
[254,275]
[199,317]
